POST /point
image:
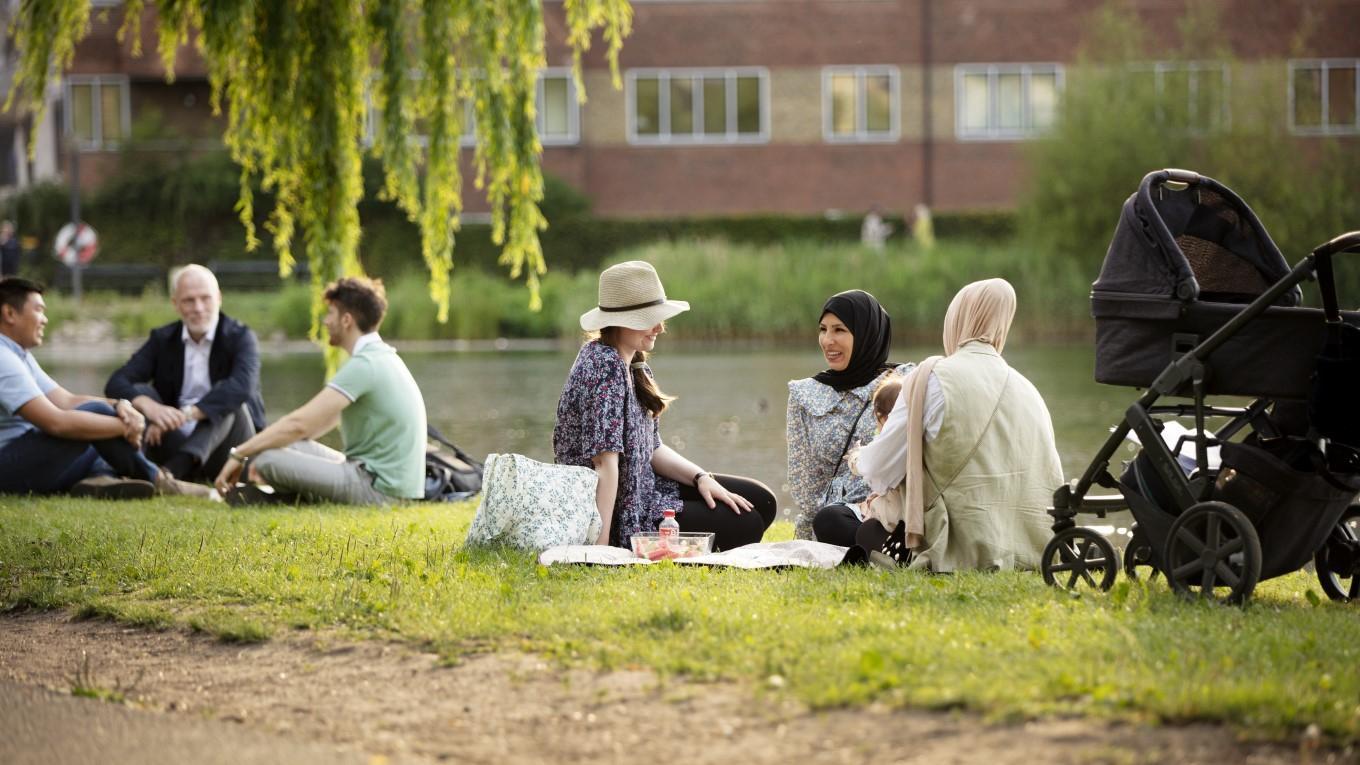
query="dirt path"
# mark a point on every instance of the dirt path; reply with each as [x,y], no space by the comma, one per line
[391,703]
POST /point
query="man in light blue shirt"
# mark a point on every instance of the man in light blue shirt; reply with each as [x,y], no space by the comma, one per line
[52,440]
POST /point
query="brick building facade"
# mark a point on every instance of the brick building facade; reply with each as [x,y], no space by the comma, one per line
[804,106]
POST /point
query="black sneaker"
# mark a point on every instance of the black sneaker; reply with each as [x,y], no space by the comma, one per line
[112,487]
[248,494]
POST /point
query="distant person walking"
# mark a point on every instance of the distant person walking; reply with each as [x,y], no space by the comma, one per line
[10,254]
[923,228]
[874,231]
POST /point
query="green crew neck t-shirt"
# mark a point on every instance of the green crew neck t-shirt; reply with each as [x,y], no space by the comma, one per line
[384,425]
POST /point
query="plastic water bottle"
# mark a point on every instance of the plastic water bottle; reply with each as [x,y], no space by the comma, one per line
[669,531]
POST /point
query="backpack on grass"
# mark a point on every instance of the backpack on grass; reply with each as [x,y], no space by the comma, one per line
[450,474]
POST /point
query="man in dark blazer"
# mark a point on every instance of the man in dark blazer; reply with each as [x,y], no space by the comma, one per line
[196,380]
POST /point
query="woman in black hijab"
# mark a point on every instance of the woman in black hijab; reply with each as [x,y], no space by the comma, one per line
[827,412]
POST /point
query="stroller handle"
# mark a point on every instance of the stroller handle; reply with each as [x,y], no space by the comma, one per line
[1347,242]
[1322,261]
[1177,175]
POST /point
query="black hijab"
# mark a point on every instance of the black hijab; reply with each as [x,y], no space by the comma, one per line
[872,330]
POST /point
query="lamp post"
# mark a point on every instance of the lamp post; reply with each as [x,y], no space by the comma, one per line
[75,265]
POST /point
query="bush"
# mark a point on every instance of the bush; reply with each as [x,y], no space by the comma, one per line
[769,292]
[180,209]
[578,243]
[776,292]
[1113,128]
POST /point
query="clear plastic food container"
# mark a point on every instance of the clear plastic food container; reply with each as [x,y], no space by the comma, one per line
[689,544]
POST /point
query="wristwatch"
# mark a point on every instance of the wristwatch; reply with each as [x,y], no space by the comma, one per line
[699,475]
[235,454]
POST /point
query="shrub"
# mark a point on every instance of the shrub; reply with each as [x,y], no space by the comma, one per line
[1113,127]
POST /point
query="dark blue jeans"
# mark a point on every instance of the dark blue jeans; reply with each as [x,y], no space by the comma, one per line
[36,463]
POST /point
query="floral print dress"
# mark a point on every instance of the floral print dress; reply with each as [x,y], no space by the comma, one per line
[819,420]
[599,412]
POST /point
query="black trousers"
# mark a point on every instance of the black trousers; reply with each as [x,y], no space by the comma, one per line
[836,525]
[200,455]
[729,528]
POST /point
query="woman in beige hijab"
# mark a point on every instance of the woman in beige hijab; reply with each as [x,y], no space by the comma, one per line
[966,460]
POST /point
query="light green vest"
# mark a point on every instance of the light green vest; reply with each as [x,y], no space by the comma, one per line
[992,470]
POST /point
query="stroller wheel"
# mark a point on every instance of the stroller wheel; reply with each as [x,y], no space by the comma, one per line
[1138,561]
[1078,556]
[1212,546]
[1338,560]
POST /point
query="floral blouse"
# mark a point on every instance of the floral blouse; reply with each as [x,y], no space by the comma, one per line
[819,420]
[599,412]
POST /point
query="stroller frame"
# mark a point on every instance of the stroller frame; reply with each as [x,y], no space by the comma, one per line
[1211,544]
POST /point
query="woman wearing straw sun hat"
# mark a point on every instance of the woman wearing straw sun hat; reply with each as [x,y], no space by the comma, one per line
[607,420]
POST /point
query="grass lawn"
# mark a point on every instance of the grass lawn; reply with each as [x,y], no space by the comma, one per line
[1002,644]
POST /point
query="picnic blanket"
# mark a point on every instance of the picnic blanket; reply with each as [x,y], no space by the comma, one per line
[799,553]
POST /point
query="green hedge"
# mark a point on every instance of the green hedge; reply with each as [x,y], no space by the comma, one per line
[177,208]
[584,243]
[738,291]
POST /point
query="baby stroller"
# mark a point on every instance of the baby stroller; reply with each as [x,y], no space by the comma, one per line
[1194,301]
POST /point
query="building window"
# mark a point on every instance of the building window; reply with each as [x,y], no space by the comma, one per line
[1005,101]
[860,103]
[1190,95]
[97,114]
[1324,96]
[688,106]
[558,117]
[559,111]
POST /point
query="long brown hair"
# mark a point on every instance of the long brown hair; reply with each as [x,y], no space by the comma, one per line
[648,393]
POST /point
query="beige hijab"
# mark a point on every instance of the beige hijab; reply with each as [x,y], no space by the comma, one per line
[982,312]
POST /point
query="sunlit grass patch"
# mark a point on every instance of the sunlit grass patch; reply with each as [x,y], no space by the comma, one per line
[1001,644]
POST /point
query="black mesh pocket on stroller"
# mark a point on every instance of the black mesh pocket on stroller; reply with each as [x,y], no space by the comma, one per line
[1276,483]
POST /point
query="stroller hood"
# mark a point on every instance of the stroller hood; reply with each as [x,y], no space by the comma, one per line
[1191,240]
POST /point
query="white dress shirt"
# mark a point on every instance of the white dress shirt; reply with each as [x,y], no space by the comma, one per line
[883,461]
[196,382]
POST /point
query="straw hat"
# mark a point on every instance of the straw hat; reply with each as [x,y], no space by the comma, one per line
[631,296]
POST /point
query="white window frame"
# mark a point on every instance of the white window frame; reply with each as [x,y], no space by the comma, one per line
[573,135]
[862,134]
[1326,65]
[993,71]
[97,83]
[664,75]
[469,139]
[1159,69]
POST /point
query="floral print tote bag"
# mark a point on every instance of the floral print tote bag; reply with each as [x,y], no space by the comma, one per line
[533,505]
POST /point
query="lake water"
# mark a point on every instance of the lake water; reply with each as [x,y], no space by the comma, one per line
[729,416]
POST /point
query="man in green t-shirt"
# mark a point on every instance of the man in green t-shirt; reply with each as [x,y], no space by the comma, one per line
[374,400]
